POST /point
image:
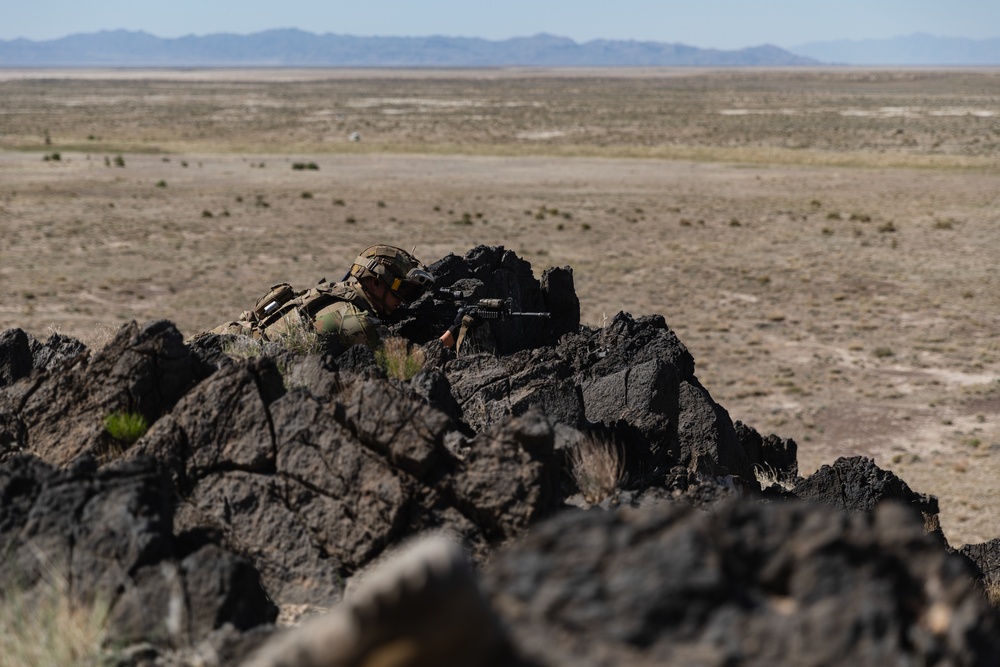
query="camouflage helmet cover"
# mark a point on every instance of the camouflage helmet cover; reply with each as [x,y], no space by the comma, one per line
[400,271]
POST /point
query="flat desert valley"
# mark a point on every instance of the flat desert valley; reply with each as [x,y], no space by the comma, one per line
[824,241]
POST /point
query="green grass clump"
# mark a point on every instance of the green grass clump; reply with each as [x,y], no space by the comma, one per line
[125,427]
[398,359]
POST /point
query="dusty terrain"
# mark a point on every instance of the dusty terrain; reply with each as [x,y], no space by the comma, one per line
[823,241]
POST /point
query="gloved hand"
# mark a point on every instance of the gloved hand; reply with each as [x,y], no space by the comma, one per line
[466,317]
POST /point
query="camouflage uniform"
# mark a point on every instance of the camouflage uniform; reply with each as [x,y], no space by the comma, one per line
[340,309]
[343,309]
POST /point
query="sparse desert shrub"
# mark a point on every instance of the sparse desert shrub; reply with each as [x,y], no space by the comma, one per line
[597,468]
[883,352]
[399,359]
[44,626]
[992,587]
[338,202]
[206,214]
[55,157]
[735,223]
[243,347]
[861,217]
[307,195]
[833,215]
[119,161]
[299,166]
[101,335]
[768,476]
[887,228]
[298,339]
[945,224]
[161,184]
[125,427]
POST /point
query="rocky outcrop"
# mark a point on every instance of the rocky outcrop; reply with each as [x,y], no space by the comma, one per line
[59,413]
[856,484]
[278,481]
[986,556]
[785,583]
[106,536]
[21,354]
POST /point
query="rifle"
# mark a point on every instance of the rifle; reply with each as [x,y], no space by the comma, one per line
[486,309]
[443,304]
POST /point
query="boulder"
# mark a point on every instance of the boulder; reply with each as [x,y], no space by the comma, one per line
[21,354]
[856,484]
[104,536]
[748,584]
[58,414]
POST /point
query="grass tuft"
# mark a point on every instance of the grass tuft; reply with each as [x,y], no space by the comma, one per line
[399,359]
[43,626]
[126,427]
[992,587]
[768,476]
[597,468]
[298,338]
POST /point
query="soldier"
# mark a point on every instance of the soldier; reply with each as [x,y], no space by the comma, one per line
[381,279]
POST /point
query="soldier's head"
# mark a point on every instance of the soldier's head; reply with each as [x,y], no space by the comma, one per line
[391,276]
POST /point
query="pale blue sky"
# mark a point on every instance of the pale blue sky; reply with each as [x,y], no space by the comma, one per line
[724,24]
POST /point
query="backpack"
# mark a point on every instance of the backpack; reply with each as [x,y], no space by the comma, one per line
[282,300]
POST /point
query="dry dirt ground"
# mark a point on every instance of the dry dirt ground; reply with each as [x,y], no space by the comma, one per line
[824,241]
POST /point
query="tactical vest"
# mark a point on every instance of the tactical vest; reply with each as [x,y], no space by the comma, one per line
[282,308]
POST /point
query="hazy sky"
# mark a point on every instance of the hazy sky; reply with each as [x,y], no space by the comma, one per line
[724,24]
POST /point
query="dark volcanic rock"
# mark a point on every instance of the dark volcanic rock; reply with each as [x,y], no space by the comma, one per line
[59,414]
[858,485]
[108,533]
[222,424]
[785,583]
[21,354]
[986,556]
[284,476]
[774,455]
[508,478]
[15,356]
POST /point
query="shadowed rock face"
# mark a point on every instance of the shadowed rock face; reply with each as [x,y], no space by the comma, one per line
[276,480]
[107,535]
[750,584]
[59,413]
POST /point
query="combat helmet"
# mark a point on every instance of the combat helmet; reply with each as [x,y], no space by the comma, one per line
[400,271]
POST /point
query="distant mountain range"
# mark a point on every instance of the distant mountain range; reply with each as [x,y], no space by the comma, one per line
[296,48]
[918,49]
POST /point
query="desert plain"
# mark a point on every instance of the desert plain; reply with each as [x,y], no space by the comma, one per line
[824,241]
